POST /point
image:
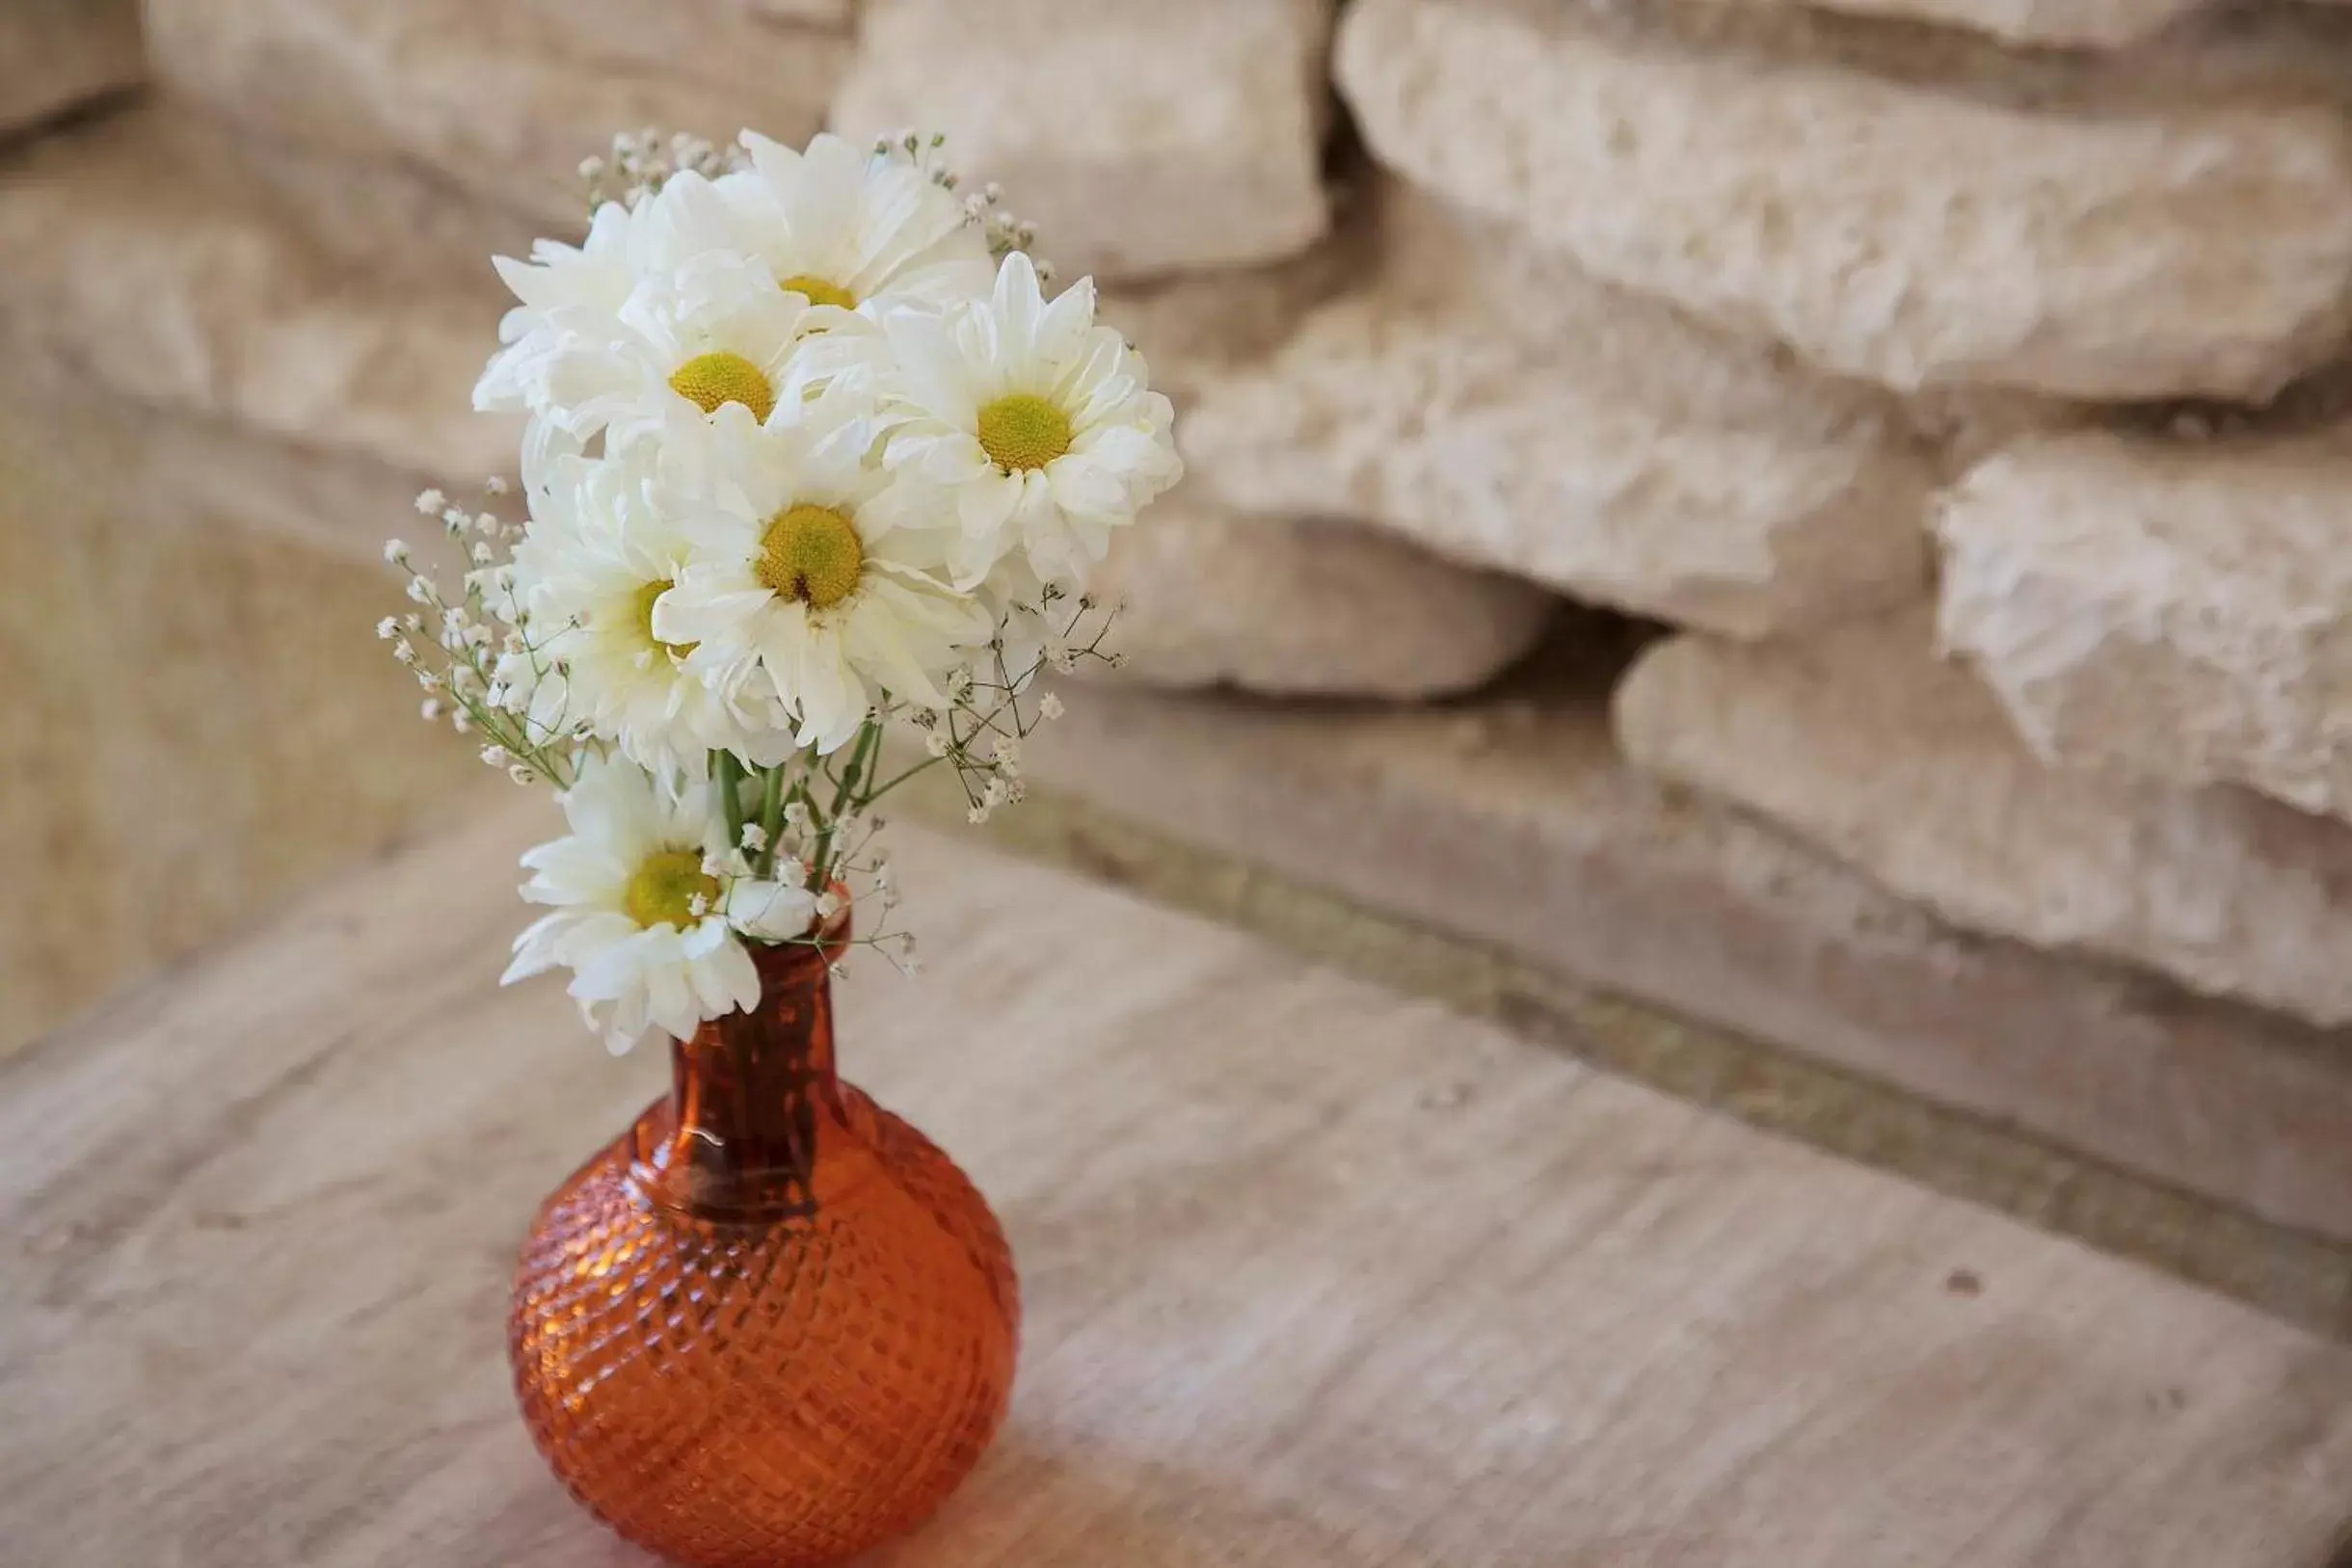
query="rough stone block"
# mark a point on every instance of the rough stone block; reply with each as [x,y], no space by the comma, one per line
[2070,24]
[2181,609]
[1141,137]
[1863,742]
[133,268]
[2172,225]
[503,99]
[1306,606]
[1505,409]
[55,54]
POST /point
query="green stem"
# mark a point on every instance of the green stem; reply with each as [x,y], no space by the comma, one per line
[926,762]
[844,787]
[771,818]
[726,778]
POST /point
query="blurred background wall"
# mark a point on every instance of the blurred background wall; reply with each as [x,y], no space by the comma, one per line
[1839,518]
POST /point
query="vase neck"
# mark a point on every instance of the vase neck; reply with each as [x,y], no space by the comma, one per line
[751,1095]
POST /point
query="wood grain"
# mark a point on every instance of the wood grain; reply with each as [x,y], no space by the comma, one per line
[1315,1276]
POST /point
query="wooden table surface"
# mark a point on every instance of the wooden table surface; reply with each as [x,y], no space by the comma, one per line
[1315,1275]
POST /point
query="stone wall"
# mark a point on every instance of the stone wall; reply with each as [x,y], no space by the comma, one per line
[1960,381]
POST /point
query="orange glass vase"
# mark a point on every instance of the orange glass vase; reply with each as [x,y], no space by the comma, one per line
[772,1325]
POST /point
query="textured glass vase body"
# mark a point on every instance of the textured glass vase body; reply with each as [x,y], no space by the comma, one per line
[772,1324]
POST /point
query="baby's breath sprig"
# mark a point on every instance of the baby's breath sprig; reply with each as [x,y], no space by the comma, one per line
[985,207]
[991,710]
[474,651]
[641,161]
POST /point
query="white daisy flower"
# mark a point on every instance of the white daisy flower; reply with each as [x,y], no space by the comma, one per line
[815,564]
[843,226]
[1040,423]
[558,283]
[710,332]
[637,918]
[698,296]
[599,556]
[773,908]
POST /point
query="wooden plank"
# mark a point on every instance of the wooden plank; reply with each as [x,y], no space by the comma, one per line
[1316,1275]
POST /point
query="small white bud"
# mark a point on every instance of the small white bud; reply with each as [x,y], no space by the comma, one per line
[935,743]
[495,756]
[714,866]
[754,837]
[496,485]
[430,501]
[1049,706]
[388,628]
[405,651]
[522,775]
[429,709]
[698,906]
[397,553]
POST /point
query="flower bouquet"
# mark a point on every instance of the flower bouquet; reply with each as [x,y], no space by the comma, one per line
[810,452]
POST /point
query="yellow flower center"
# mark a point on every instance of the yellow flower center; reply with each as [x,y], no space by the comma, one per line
[1022,429]
[811,553]
[647,593]
[708,381]
[819,291]
[662,890]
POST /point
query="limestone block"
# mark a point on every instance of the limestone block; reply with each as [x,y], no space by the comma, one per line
[1194,328]
[57,53]
[2143,232]
[1141,137]
[1303,605]
[1507,410]
[379,216]
[504,100]
[2177,608]
[1863,742]
[2102,24]
[126,264]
